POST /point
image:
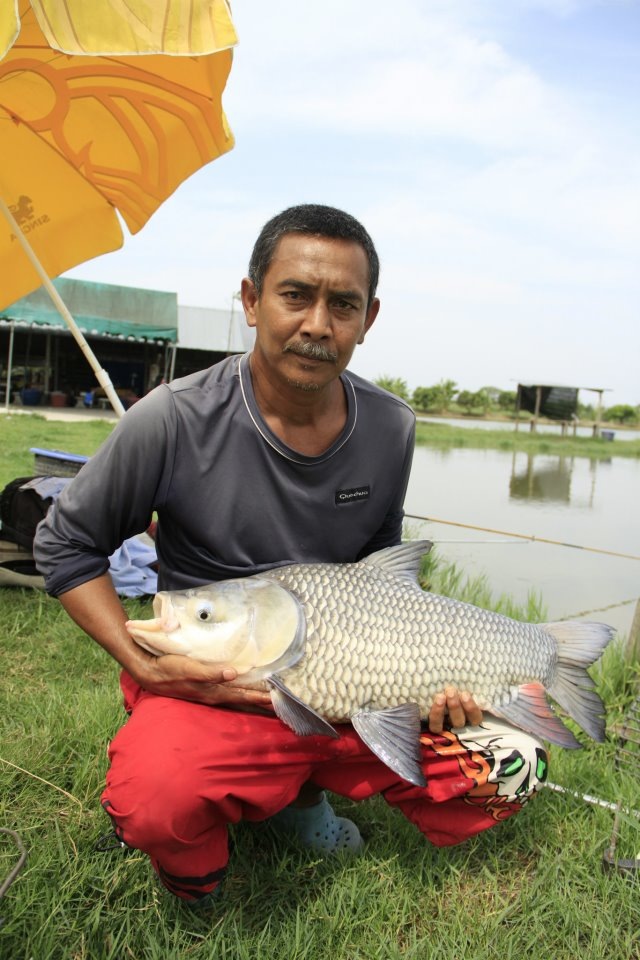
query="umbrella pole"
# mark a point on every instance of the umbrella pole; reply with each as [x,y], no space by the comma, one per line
[101,375]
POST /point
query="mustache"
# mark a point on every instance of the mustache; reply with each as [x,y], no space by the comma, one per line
[313,351]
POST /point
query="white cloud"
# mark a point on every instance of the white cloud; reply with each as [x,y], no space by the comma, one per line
[504,195]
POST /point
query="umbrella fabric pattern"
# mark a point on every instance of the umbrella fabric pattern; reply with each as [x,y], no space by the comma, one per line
[83,136]
[116,27]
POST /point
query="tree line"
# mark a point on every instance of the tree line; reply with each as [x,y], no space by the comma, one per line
[445,397]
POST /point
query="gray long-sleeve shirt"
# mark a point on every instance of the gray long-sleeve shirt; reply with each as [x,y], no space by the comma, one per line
[231,498]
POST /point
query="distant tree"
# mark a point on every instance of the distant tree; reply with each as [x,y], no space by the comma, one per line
[483,400]
[470,400]
[492,392]
[467,400]
[439,397]
[394,385]
[425,398]
[621,413]
[586,411]
[507,400]
[446,392]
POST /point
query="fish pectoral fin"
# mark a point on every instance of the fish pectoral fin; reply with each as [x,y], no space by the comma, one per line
[297,714]
[531,712]
[394,736]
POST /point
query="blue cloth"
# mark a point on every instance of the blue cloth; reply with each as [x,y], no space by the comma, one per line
[130,566]
[131,570]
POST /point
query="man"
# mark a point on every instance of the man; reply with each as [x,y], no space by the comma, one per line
[244,464]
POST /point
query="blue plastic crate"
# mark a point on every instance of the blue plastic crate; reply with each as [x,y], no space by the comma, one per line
[56,463]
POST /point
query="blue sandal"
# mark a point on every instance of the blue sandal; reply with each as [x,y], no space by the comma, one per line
[318,828]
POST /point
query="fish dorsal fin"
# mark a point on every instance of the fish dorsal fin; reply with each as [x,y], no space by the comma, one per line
[394,736]
[402,560]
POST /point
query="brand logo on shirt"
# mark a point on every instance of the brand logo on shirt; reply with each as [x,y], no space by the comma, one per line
[352,495]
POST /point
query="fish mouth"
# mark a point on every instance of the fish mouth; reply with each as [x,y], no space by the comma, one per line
[151,633]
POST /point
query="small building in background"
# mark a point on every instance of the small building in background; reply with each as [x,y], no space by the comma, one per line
[555,402]
[207,335]
[140,337]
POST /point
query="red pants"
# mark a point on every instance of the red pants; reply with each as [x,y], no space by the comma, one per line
[181,771]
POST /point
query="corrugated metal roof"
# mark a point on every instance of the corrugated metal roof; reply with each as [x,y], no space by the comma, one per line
[207,328]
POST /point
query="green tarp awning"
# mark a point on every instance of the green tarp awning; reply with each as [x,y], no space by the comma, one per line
[102,309]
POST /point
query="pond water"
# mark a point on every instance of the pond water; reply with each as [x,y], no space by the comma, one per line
[588,503]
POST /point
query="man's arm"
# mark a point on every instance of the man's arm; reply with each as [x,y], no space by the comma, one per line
[96,608]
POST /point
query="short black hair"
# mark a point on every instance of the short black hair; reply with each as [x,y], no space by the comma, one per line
[317,220]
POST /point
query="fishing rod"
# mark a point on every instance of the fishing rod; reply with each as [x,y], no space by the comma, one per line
[13,873]
[524,536]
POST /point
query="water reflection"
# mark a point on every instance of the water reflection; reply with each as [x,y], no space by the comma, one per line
[568,500]
[542,478]
[532,480]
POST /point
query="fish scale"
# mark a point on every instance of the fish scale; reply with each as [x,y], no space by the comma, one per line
[410,643]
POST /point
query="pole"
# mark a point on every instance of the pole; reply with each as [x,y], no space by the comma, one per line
[536,412]
[632,652]
[7,393]
[101,375]
[234,297]
[47,365]
[596,426]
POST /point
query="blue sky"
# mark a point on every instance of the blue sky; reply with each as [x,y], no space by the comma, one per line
[491,148]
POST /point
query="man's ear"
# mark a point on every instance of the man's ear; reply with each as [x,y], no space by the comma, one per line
[249,296]
[372,313]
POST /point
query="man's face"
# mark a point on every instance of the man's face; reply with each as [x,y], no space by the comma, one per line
[312,310]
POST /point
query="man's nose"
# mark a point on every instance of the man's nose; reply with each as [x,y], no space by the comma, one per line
[317,320]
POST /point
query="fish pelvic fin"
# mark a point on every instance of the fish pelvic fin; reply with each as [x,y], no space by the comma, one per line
[402,560]
[531,711]
[394,736]
[297,714]
[579,645]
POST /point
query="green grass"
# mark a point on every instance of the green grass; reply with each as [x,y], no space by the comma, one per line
[531,885]
[444,436]
[19,432]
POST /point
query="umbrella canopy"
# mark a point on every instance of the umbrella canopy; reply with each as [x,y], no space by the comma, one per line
[83,135]
[137,26]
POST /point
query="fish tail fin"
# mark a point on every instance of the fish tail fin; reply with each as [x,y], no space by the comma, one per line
[580,644]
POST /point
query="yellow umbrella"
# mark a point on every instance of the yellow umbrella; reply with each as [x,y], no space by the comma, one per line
[118,27]
[82,136]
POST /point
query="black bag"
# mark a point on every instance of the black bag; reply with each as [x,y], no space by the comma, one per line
[21,511]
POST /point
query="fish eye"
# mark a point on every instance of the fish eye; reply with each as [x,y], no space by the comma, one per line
[204,611]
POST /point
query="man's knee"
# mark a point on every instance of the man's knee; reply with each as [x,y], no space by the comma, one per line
[154,809]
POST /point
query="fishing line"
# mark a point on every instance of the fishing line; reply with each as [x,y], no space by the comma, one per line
[589,798]
[524,536]
[493,540]
[610,606]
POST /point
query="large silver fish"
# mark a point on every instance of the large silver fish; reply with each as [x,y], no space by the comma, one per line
[362,642]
